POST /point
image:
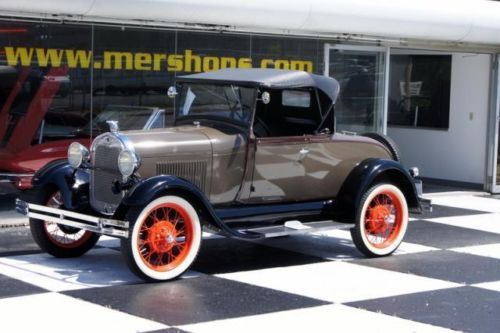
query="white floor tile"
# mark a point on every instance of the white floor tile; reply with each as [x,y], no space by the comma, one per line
[338,281]
[483,222]
[54,313]
[107,241]
[97,268]
[495,286]
[489,250]
[468,202]
[329,318]
[407,248]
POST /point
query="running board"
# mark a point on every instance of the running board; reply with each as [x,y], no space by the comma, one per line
[296,228]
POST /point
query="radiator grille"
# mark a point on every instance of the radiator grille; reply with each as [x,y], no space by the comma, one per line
[193,171]
[104,172]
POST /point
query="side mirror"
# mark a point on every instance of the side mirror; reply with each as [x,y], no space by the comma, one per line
[172,92]
[265,97]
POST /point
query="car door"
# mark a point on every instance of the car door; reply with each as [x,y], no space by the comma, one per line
[320,163]
[279,172]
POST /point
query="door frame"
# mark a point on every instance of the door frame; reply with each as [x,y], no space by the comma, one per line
[493,127]
[386,50]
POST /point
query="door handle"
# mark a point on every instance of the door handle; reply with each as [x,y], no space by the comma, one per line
[303,153]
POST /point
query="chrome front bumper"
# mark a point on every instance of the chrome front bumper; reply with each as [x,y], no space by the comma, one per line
[99,225]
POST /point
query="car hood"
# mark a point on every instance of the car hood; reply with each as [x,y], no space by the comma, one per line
[168,142]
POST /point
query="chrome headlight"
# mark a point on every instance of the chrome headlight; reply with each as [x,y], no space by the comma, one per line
[127,162]
[77,154]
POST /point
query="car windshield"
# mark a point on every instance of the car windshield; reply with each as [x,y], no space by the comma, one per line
[206,101]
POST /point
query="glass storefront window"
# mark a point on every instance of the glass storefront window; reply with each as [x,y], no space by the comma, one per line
[44,96]
[52,66]
[133,67]
[205,52]
[288,53]
[419,90]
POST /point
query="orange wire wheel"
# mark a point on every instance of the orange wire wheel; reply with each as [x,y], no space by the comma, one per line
[382,221]
[165,239]
[61,235]
[56,239]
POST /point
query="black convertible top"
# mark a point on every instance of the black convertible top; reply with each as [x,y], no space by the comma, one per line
[271,78]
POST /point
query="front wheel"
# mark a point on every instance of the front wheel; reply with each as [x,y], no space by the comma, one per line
[381,221]
[165,238]
[56,239]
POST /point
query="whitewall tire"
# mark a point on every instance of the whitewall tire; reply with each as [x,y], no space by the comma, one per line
[164,240]
[381,221]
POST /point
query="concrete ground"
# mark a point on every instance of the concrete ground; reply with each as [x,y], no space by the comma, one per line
[8,216]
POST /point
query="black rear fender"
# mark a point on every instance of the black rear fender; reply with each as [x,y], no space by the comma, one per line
[363,177]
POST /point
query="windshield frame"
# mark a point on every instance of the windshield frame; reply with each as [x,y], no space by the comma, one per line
[191,119]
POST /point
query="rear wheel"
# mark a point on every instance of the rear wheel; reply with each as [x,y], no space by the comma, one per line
[56,239]
[381,221]
[165,238]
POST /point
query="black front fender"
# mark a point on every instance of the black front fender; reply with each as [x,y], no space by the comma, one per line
[146,190]
[149,189]
[73,184]
[364,176]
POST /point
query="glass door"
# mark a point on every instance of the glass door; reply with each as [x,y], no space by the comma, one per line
[361,72]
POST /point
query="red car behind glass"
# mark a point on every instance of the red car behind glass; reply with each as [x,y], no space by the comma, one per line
[34,133]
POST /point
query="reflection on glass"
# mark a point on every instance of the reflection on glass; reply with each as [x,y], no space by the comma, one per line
[419,90]
[128,117]
[361,77]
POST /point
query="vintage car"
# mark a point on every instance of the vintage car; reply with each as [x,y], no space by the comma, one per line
[252,154]
[28,148]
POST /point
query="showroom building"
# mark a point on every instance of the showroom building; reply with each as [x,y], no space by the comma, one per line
[424,72]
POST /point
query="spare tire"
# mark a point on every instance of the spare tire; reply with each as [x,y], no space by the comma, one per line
[387,142]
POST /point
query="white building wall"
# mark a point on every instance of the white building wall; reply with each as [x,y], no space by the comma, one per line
[459,153]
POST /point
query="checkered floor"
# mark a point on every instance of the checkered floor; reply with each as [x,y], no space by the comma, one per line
[446,276]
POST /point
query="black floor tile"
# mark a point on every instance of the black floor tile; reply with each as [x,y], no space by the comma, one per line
[446,211]
[445,236]
[11,287]
[225,255]
[466,309]
[8,201]
[17,240]
[316,245]
[194,300]
[443,265]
